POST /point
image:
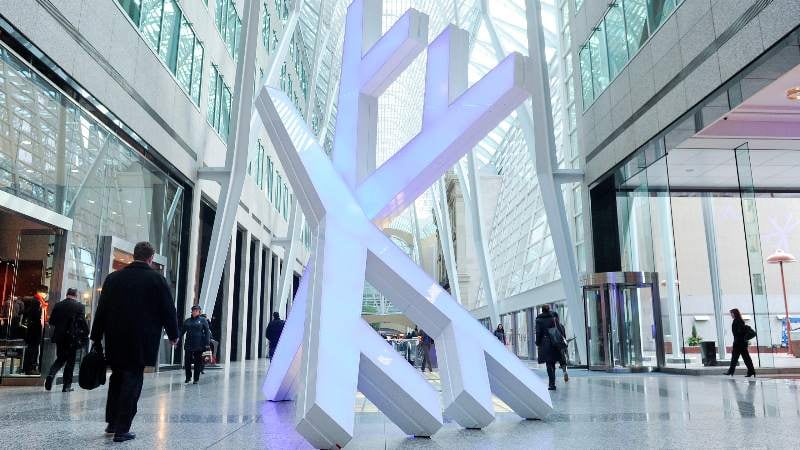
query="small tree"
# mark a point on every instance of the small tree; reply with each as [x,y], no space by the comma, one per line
[695,339]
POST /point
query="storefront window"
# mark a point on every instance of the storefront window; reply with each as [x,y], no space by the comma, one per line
[57,156]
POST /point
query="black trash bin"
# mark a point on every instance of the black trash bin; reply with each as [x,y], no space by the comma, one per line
[708,350]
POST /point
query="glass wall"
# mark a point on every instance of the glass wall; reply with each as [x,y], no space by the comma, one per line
[219,103]
[229,25]
[166,30]
[625,28]
[56,155]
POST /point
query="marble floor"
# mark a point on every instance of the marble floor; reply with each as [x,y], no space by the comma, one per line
[227,411]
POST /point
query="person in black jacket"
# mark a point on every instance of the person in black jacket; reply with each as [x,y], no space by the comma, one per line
[67,319]
[32,320]
[274,330]
[500,333]
[426,344]
[549,353]
[135,304]
[197,340]
[739,330]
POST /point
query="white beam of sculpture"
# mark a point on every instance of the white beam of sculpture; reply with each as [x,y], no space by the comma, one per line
[327,351]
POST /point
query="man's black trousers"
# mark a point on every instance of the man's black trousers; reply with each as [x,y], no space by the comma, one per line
[124,389]
[65,357]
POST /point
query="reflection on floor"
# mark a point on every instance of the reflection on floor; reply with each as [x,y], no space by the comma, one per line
[227,410]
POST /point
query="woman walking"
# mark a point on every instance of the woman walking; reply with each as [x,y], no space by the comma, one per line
[740,338]
[550,341]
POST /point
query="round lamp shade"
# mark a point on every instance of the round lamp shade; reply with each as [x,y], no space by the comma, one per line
[780,257]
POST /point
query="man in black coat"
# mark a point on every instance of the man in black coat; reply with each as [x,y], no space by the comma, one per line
[197,340]
[68,319]
[135,304]
[274,330]
[547,326]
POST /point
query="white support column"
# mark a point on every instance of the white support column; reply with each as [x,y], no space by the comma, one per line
[276,275]
[417,239]
[287,273]
[242,296]
[283,45]
[441,209]
[228,297]
[233,174]
[194,248]
[538,132]
[668,250]
[266,283]
[255,301]
[475,211]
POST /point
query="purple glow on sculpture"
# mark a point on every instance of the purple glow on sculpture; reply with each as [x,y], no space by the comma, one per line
[329,351]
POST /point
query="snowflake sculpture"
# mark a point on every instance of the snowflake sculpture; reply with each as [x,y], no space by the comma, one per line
[327,351]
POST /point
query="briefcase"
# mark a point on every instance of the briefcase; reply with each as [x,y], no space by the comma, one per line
[93,370]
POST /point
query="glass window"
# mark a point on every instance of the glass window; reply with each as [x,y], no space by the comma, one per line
[586,77]
[225,113]
[133,8]
[150,25]
[615,37]
[170,21]
[659,10]
[265,28]
[197,72]
[232,24]
[597,47]
[578,4]
[213,105]
[637,29]
[183,65]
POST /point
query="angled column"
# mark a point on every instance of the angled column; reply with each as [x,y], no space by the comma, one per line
[228,297]
[231,177]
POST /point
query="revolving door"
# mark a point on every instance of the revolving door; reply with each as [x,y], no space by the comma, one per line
[623,321]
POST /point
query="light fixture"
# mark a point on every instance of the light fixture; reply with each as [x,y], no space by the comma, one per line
[91,202]
[129,201]
[75,170]
[793,93]
[780,257]
[113,212]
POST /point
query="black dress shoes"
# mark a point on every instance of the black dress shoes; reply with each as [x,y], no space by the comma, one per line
[67,388]
[122,437]
[48,383]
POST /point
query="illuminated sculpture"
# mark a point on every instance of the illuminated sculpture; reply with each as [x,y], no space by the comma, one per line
[327,351]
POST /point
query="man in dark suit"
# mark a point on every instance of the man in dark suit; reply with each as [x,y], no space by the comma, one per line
[70,333]
[135,304]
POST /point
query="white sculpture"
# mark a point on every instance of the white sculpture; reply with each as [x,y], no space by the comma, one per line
[327,351]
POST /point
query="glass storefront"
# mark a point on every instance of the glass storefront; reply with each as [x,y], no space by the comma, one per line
[57,156]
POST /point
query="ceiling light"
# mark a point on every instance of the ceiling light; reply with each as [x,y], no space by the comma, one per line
[91,202]
[75,171]
[793,93]
[113,212]
[129,201]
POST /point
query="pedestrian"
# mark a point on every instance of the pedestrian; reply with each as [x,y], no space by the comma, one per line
[135,305]
[500,333]
[34,316]
[197,340]
[550,342]
[70,332]
[426,342]
[740,342]
[274,330]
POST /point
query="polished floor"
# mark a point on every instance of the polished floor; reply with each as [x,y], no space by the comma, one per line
[227,411]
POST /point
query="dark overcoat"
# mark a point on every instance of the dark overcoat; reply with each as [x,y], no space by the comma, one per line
[135,305]
[547,351]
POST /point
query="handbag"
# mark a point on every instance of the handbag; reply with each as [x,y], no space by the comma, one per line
[749,333]
[93,369]
[208,357]
[556,338]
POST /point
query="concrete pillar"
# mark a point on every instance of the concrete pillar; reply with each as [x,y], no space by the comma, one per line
[242,296]
[192,282]
[228,297]
[255,302]
[266,283]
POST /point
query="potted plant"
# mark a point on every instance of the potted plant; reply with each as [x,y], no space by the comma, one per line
[694,340]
